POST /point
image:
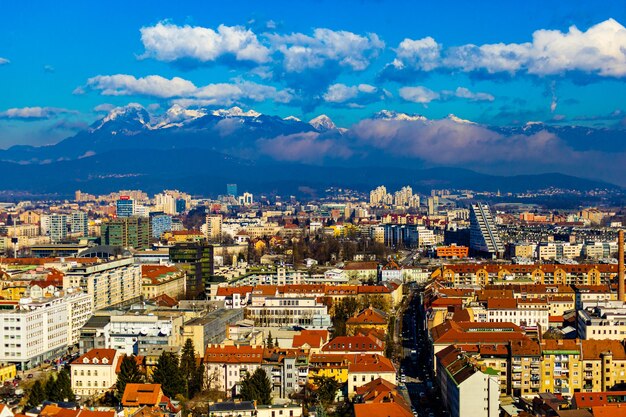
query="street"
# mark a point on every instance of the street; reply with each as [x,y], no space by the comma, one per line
[416,366]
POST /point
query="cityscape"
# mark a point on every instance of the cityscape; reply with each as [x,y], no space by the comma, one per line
[362,209]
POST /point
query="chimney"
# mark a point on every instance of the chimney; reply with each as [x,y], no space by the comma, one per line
[621,290]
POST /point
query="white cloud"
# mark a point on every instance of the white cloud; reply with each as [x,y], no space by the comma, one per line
[302,52]
[4,61]
[339,93]
[104,107]
[152,85]
[168,42]
[419,94]
[422,54]
[600,50]
[179,88]
[462,92]
[33,113]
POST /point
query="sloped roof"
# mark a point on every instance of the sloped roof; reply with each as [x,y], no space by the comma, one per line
[368,315]
[99,355]
[233,354]
[142,394]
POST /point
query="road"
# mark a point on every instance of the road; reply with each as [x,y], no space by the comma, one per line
[416,365]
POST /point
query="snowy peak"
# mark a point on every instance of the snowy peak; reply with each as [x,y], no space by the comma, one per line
[456,119]
[394,115]
[177,116]
[132,115]
[291,119]
[322,123]
[235,112]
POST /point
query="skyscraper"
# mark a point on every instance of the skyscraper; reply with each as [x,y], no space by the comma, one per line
[231,189]
[484,238]
[196,259]
[58,227]
[125,206]
[79,223]
[214,227]
[127,232]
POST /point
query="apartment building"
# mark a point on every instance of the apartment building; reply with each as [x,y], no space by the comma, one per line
[160,279]
[525,313]
[33,331]
[108,283]
[94,372]
[276,311]
[228,365]
[525,368]
[561,366]
[366,367]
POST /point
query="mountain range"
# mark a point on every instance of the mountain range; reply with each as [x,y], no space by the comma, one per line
[200,150]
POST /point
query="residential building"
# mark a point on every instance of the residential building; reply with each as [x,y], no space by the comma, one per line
[561,366]
[452,251]
[525,368]
[58,227]
[109,283]
[160,223]
[127,232]
[278,311]
[210,329]
[484,237]
[160,279]
[79,223]
[228,365]
[214,227]
[94,372]
[465,389]
[602,321]
[364,368]
[367,319]
[125,206]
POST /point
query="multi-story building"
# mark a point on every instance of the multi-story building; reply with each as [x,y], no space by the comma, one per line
[211,329]
[277,311]
[561,366]
[37,330]
[465,389]
[227,366]
[558,250]
[58,227]
[526,313]
[127,232]
[602,321]
[158,280]
[165,203]
[213,227]
[452,251]
[79,223]
[525,368]
[125,207]
[599,249]
[196,259]
[484,237]
[364,368]
[160,223]
[231,189]
[93,373]
[109,283]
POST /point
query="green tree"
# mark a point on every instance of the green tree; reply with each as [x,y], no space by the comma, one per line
[129,374]
[51,389]
[64,385]
[36,396]
[326,390]
[190,371]
[269,343]
[167,373]
[257,387]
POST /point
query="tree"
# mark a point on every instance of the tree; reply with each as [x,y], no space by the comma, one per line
[257,387]
[167,373]
[269,343]
[51,389]
[191,373]
[326,390]
[64,386]
[36,396]
[129,374]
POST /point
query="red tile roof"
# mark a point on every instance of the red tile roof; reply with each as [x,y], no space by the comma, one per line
[370,316]
[381,410]
[233,354]
[353,344]
[99,354]
[314,338]
[142,394]
[370,363]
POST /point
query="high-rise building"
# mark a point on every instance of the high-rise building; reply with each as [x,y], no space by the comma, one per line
[160,223]
[246,199]
[79,223]
[231,189]
[484,238]
[181,205]
[377,195]
[214,227]
[133,232]
[196,259]
[58,227]
[433,205]
[125,206]
[165,202]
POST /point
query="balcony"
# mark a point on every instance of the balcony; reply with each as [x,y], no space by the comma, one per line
[516,377]
[517,368]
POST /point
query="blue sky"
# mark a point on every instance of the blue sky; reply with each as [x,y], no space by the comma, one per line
[62,67]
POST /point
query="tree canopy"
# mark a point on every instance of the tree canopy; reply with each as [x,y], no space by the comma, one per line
[257,387]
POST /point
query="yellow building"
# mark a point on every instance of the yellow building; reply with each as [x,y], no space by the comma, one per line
[330,366]
[561,366]
[7,372]
[14,291]
[604,364]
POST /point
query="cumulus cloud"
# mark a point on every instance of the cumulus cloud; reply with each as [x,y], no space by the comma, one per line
[168,42]
[419,94]
[33,113]
[599,51]
[152,85]
[184,92]
[4,61]
[353,96]
[104,107]
[302,52]
[310,147]
[462,92]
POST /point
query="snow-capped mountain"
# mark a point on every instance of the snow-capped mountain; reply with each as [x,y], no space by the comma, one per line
[456,119]
[292,118]
[177,116]
[129,118]
[322,123]
[235,112]
[394,115]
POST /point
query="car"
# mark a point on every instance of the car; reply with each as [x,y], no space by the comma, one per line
[30,376]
